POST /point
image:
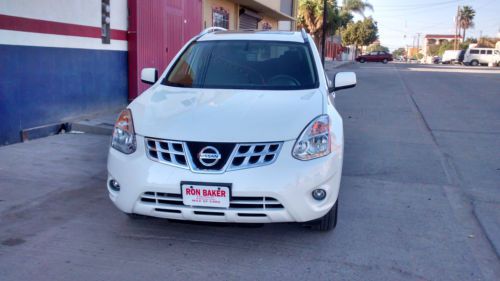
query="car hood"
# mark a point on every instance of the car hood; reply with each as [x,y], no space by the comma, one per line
[214,115]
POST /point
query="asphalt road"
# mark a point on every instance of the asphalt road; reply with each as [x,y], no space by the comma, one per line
[420,199]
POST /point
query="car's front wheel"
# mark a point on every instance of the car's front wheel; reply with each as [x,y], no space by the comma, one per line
[328,221]
[384,61]
[362,60]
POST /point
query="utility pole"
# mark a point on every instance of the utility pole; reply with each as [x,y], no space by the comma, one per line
[323,40]
[418,41]
[457,24]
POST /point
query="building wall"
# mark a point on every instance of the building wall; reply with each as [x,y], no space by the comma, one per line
[273,4]
[231,7]
[288,7]
[234,10]
[53,64]
[270,21]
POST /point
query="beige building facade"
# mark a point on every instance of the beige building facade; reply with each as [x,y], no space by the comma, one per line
[250,14]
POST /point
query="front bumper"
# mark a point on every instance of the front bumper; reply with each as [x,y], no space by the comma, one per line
[288,180]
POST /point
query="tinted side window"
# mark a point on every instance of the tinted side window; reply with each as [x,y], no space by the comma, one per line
[483,52]
[474,51]
[489,52]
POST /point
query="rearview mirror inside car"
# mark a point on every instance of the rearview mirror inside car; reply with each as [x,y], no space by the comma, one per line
[149,75]
[343,80]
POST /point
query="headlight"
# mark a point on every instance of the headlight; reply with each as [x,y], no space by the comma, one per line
[123,134]
[314,141]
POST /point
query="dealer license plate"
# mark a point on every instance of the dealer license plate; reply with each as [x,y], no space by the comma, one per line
[205,195]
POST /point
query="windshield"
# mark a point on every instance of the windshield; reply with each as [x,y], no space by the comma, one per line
[245,65]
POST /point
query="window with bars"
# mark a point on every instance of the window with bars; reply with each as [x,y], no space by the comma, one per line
[220,17]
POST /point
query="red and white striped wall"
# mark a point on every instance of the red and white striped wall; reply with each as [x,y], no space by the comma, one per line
[62,23]
[53,64]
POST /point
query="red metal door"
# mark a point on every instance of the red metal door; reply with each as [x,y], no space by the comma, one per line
[173,30]
[157,31]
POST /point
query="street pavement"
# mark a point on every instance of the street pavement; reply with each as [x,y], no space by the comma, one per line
[420,198]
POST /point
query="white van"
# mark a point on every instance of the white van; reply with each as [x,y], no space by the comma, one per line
[477,56]
[450,56]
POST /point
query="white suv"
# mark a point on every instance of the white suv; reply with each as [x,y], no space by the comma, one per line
[241,127]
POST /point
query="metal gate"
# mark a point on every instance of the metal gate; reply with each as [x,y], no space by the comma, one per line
[157,31]
[248,19]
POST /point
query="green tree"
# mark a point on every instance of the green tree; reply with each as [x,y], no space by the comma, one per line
[356,6]
[310,17]
[360,33]
[399,52]
[433,50]
[418,56]
[466,19]
[377,47]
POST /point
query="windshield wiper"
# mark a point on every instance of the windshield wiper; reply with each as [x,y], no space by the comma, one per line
[180,85]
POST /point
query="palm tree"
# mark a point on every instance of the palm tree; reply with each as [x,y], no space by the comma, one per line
[310,17]
[465,19]
[357,6]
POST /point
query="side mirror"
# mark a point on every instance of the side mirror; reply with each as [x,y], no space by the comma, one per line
[149,75]
[343,80]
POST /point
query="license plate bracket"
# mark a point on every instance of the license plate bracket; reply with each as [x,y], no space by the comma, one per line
[206,194]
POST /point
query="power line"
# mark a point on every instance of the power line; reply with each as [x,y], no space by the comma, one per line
[416,8]
[421,4]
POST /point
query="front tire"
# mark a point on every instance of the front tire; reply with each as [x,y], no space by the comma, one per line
[384,61]
[328,221]
[362,60]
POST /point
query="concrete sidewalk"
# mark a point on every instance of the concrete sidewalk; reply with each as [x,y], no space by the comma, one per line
[98,124]
[331,65]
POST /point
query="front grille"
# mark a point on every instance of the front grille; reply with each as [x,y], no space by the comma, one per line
[166,151]
[168,200]
[254,155]
[233,156]
[238,202]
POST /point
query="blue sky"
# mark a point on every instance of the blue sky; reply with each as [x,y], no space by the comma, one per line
[396,18]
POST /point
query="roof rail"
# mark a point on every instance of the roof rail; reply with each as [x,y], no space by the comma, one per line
[304,35]
[209,30]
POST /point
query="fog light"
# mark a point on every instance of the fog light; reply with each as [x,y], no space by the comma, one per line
[114,185]
[319,194]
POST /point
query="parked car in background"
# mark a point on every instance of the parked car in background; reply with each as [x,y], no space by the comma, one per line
[378,56]
[450,56]
[208,141]
[436,59]
[477,56]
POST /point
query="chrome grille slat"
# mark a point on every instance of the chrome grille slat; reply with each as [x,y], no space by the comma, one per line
[168,198]
[169,156]
[251,154]
[240,203]
[176,153]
